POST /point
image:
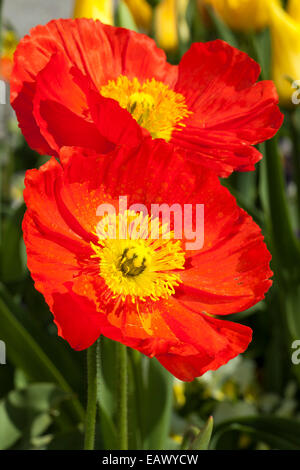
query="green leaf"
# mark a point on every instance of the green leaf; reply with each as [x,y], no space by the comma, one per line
[124,17]
[27,413]
[262,46]
[71,440]
[202,440]
[149,400]
[24,352]
[33,316]
[153,395]
[279,433]
[157,413]
[107,384]
[12,266]
[9,433]
[223,31]
[284,240]
[285,247]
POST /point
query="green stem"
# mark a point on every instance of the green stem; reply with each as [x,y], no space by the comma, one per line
[122,396]
[135,358]
[91,410]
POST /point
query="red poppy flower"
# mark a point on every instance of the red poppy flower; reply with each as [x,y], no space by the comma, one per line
[152,293]
[83,83]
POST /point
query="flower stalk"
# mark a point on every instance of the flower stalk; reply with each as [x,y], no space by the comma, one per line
[122,396]
[91,410]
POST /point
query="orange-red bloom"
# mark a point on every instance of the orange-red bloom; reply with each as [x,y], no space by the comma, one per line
[80,82]
[148,293]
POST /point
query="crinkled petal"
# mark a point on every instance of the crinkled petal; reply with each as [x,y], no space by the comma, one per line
[230,111]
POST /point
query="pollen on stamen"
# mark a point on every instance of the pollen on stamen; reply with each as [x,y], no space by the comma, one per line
[152,104]
[137,266]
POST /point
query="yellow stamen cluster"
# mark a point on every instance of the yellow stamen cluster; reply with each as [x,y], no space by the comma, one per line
[152,104]
[134,264]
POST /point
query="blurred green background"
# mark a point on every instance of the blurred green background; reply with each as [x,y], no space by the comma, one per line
[254,399]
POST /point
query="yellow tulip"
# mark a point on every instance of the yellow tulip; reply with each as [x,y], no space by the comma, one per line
[141,12]
[102,10]
[293,9]
[285,33]
[243,15]
[165,24]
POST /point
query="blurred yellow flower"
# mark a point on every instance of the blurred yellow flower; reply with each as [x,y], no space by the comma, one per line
[9,44]
[16,189]
[179,393]
[285,33]
[141,12]
[293,9]
[177,438]
[102,10]
[243,15]
[165,24]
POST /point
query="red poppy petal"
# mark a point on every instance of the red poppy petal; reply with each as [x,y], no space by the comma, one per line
[114,123]
[219,151]
[229,275]
[135,55]
[215,342]
[87,45]
[61,109]
[80,323]
[51,259]
[218,82]
[76,319]
[23,106]
[44,199]
[56,245]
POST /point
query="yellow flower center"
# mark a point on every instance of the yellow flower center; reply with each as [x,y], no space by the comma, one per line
[134,264]
[152,104]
